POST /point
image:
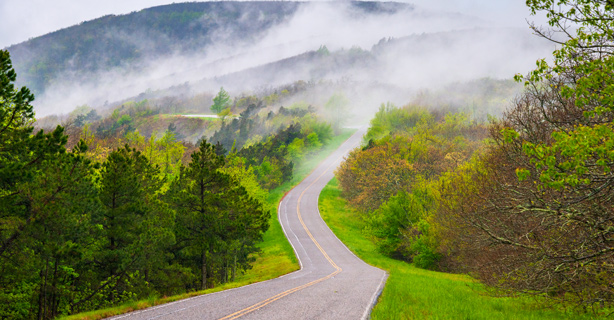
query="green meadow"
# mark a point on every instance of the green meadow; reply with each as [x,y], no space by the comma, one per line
[413,293]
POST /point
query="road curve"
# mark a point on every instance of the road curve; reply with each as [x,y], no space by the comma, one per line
[332,283]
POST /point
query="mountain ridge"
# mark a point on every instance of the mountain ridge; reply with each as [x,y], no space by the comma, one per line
[125,41]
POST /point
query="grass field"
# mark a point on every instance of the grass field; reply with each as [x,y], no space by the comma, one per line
[412,293]
[277,257]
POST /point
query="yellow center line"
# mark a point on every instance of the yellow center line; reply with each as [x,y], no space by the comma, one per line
[278,296]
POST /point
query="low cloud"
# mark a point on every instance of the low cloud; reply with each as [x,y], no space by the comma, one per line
[433,47]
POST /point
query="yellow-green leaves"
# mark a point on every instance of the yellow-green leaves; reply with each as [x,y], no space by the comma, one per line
[509,135]
[522,173]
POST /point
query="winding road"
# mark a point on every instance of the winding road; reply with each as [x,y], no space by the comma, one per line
[332,283]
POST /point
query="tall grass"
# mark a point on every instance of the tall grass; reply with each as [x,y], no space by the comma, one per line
[412,293]
[275,259]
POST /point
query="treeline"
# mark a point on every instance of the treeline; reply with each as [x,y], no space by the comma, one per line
[524,203]
[394,181]
[119,41]
[78,235]
[115,218]
[128,41]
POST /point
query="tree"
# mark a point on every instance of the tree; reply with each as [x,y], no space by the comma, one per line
[20,151]
[539,204]
[128,188]
[394,180]
[221,101]
[394,222]
[368,178]
[336,109]
[216,221]
[46,197]
[44,255]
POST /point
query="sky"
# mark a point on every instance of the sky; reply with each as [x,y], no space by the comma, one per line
[460,59]
[21,20]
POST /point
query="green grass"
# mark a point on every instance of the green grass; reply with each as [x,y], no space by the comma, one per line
[276,258]
[412,293]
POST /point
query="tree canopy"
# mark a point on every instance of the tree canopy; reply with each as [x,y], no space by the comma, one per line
[221,101]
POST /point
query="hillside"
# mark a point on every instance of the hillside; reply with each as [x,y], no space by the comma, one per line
[127,41]
[409,62]
[387,51]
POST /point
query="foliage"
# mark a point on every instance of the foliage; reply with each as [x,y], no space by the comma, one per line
[413,293]
[534,213]
[221,101]
[337,108]
[394,180]
[218,223]
[83,229]
[391,120]
[246,176]
[370,177]
[270,157]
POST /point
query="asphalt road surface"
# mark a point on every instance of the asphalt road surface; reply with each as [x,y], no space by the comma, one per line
[332,283]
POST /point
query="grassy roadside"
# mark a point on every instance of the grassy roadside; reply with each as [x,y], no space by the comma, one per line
[277,257]
[412,293]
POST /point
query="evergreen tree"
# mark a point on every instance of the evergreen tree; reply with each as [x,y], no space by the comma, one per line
[196,197]
[217,222]
[131,212]
[221,101]
[46,196]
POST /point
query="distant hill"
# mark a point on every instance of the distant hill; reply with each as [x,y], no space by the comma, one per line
[373,51]
[412,61]
[125,41]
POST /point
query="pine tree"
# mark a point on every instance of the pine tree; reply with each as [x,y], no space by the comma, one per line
[221,101]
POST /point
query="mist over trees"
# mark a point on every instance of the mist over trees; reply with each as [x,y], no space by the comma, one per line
[195,48]
[523,203]
[128,42]
[98,215]
[184,27]
[133,199]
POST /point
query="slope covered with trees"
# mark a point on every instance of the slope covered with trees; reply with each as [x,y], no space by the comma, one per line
[547,177]
[104,215]
[523,203]
[127,42]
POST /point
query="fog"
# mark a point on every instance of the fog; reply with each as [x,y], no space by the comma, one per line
[432,45]
[21,20]
[24,19]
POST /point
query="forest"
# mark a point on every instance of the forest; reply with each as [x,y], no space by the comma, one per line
[524,203]
[138,199]
[127,42]
[178,27]
[97,214]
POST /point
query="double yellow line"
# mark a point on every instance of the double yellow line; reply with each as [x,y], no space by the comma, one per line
[263,303]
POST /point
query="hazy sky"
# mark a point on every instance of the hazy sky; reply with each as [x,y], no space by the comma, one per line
[24,19]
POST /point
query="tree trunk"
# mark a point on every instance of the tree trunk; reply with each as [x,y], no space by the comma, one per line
[42,298]
[225,269]
[54,292]
[234,267]
[204,271]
